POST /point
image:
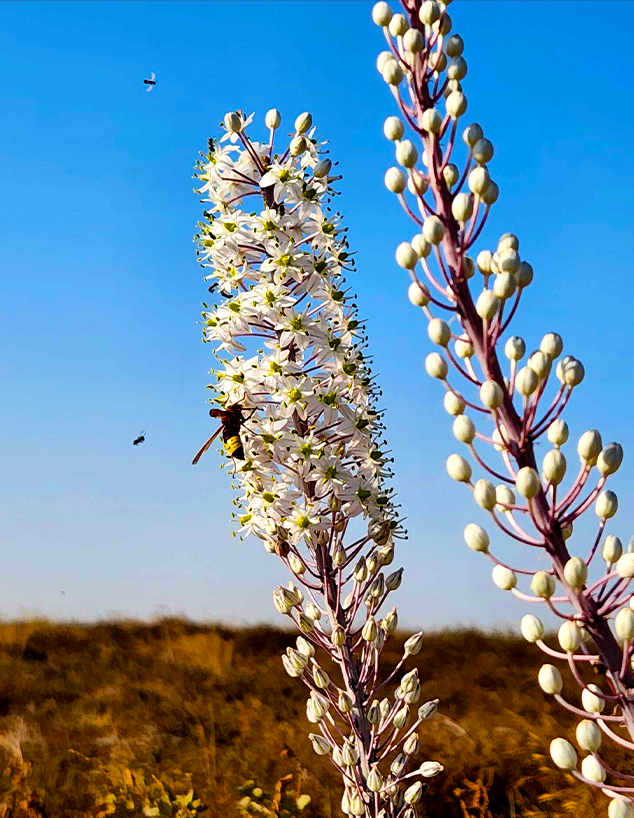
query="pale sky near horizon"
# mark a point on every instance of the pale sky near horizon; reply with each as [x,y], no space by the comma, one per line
[101,290]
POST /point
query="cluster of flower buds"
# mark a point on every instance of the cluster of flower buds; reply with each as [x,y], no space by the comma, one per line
[448,196]
[305,442]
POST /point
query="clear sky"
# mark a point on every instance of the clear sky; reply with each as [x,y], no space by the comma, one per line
[100,289]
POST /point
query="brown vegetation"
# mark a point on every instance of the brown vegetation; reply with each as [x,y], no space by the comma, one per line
[176,718]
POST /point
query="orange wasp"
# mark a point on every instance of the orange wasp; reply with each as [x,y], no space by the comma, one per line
[231,419]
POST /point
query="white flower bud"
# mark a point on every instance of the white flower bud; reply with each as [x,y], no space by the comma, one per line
[413,41]
[476,538]
[468,267]
[374,779]
[484,261]
[508,241]
[515,348]
[552,345]
[413,645]
[499,438]
[456,104]
[406,257]
[588,736]
[526,381]
[393,128]
[589,447]
[418,184]
[444,24]
[463,429]
[570,636]
[344,702]
[428,710]
[527,482]
[558,432]
[612,550]
[563,754]
[429,12]
[453,404]
[532,628]
[414,793]
[490,197]
[402,717]
[483,153]
[624,623]
[504,578]
[620,808]
[458,468]
[484,494]
[462,207]
[606,505]
[381,14]
[543,584]
[398,765]
[437,61]
[431,120]
[273,119]
[282,600]
[398,25]
[524,275]
[590,701]
[394,580]
[406,154]
[433,230]
[457,68]
[356,804]
[417,294]
[421,246]
[504,497]
[549,679]
[464,347]
[428,769]
[610,459]
[570,371]
[322,168]
[554,467]
[491,394]
[383,57]
[478,180]
[439,332]
[411,745]
[540,363]
[436,366]
[305,647]
[576,572]
[233,122]
[370,630]
[338,636]
[472,133]
[392,72]
[625,566]
[504,285]
[450,174]
[487,305]
[395,180]
[508,261]
[320,745]
[303,123]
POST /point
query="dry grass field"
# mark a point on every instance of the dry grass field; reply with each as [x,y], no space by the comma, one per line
[180,719]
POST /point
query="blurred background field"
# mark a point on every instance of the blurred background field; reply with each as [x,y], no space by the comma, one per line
[180,719]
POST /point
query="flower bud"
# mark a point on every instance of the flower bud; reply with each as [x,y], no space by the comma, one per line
[589,447]
[570,636]
[610,459]
[305,623]
[382,59]
[563,754]
[457,68]
[374,779]
[606,505]
[478,180]
[504,286]
[429,12]
[413,41]
[450,174]
[349,755]
[418,295]
[282,600]
[490,197]
[421,246]
[453,404]
[439,332]
[491,394]
[320,745]
[483,261]
[361,571]
[526,381]
[590,701]
[552,345]
[437,61]
[338,636]
[339,556]
[576,572]
[273,119]
[356,804]
[625,566]
[484,494]
[515,348]
[499,439]
[405,256]
[472,133]
[504,578]
[588,736]
[293,670]
[322,168]
[532,628]
[456,104]
[527,482]
[381,14]
[392,72]
[558,432]
[303,123]
[464,347]
[398,25]
[624,623]
[433,230]
[543,584]
[411,745]
[233,122]
[428,769]
[566,531]
[462,207]
[508,260]
[402,717]
[504,497]
[413,645]
[393,128]
[414,793]
[305,647]
[454,46]
[487,305]
[540,363]
[524,275]
[483,152]
[398,765]
[612,549]
[463,429]
[620,808]
[394,580]
[369,632]
[344,702]
[476,538]
[458,468]
[554,467]
[431,120]
[406,154]
[428,710]
[436,366]
[418,185]
[549,679]
[395,180]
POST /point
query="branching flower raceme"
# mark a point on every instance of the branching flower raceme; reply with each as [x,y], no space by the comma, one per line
[447,190]
[304,440]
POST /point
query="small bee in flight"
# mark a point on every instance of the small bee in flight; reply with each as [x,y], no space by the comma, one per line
[231,419]
[139,439]
[151,82]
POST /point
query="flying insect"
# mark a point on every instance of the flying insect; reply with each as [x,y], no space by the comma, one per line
[231,419]
[151,82]
[139,439]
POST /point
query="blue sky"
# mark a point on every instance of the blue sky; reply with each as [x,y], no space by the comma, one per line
[101,291]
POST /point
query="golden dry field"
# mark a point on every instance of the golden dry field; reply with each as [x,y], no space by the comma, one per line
[178,719]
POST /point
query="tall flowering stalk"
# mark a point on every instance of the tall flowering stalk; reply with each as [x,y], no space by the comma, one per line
[308,453]
[449,198]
